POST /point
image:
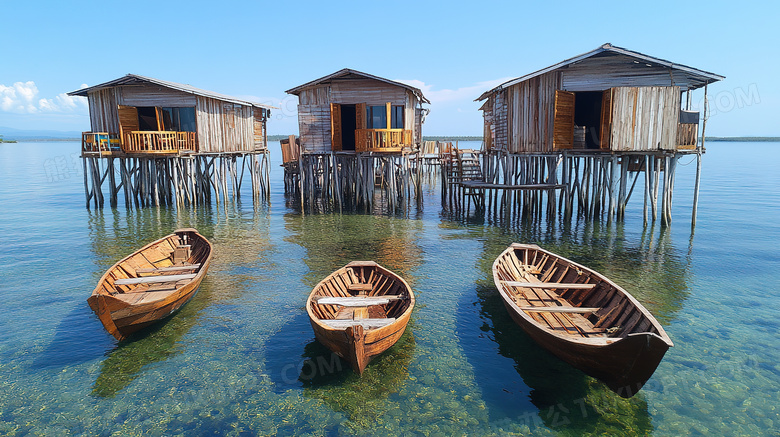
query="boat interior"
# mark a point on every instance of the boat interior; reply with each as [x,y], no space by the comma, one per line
[360,293]
[157,270]
[567,299]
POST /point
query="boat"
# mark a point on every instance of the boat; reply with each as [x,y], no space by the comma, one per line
[360,311]
[152,283]
[581,317]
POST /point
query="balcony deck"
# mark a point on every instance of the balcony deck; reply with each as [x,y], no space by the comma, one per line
[382,140]
[138,142]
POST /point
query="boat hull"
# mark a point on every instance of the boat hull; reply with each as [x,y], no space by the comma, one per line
[624,366]
[359,350]
[581,317]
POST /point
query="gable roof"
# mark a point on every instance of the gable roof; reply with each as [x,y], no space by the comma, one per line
[347,74]
[134,79]
[695,78]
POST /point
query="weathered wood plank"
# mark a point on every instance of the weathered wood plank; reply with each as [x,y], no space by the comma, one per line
[357,301]
[365,323]
[149,279]
[557,309]
[169,269]
[557,285]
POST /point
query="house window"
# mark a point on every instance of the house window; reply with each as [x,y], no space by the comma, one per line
[377,116]
[397,117]
[178,119]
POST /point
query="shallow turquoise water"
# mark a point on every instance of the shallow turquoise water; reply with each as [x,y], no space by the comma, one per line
[241,359]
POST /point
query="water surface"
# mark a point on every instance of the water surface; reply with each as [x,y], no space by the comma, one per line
[241,359]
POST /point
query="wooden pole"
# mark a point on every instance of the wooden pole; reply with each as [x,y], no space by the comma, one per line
[699,150]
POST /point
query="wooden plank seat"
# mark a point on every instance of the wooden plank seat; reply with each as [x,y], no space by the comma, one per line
[549,285]
[360,287]
[169,269]
[560,309]
[356,301]
[149,279]
[365,323]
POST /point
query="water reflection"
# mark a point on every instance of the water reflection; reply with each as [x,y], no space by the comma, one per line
[330,242]
[362,398]
[154,344]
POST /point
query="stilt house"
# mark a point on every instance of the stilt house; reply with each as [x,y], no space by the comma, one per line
[171,143]
[609,99]
[353,111]
[141,115]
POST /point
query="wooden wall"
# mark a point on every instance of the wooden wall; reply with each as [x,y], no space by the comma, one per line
[314,128]
[520,118]
[103,115]
[224,126]
[644,118]
[530,107]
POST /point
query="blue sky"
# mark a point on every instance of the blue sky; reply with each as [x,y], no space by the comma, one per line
[454,51]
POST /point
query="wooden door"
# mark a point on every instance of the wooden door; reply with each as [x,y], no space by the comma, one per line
[605,133]
[160,123]
[128,122]
[335,127]
[360,116]
[360,123]
[563,123]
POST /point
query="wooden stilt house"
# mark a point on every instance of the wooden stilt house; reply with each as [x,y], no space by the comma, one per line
[588,126]
[171,139]
[355,127]
[610,99]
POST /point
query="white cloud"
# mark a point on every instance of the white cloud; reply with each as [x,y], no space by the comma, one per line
[22,98]
[457,95]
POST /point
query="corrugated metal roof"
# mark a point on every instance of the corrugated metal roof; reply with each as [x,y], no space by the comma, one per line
[701,77]
[346,72]
[132,79]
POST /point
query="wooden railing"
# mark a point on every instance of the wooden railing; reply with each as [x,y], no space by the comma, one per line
[382,140]
[687,135]
[159,142]
[99,142]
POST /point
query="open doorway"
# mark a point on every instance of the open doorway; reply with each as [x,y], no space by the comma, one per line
[587,119]
[348,126]
[147,118]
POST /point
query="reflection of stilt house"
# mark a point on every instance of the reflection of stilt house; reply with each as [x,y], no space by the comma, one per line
[352,126]
[606,116]
[171,141]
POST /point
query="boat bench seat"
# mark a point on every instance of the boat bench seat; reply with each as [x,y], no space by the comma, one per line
[356,301]
[151,279]
[559,309]
[169,269]
[550,285]
[365,323]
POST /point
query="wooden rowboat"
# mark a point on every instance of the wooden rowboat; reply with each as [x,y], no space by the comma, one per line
[581,317]
[152,283]
[359,311]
